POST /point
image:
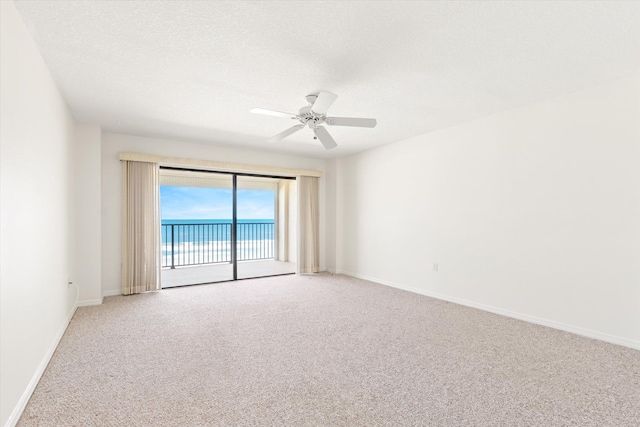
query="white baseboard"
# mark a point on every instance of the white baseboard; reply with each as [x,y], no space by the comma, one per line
[24,399]
[111,293]
[89,302]
[613,339]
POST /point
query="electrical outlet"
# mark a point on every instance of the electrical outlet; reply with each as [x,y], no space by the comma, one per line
[435,267]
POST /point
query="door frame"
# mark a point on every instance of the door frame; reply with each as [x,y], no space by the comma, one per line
[234,222]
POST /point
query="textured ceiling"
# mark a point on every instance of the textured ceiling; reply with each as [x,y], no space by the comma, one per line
[191,70]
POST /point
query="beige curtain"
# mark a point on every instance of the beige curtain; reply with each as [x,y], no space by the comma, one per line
[308,225]
[141,245]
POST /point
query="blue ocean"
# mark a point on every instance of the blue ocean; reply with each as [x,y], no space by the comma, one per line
[248,229]
[197,241]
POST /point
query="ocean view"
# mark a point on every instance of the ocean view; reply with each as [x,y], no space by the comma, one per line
[198,241]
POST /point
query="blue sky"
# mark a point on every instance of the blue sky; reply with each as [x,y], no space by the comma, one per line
[214,203]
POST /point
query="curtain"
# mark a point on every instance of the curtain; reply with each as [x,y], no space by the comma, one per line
[140,227]
[308,225]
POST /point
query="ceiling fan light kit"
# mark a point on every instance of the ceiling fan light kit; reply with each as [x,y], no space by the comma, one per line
[314,115]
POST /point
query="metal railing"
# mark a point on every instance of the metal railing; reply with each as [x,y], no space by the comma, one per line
[196,244]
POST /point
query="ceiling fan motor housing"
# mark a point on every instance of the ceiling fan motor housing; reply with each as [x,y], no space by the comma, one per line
[309,118]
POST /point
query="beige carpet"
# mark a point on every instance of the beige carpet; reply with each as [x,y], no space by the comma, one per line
[325,351]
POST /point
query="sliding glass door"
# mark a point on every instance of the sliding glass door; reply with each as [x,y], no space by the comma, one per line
[261,220]
[197,219]
[220,227]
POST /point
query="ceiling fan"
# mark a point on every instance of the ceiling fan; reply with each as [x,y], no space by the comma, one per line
[314,115]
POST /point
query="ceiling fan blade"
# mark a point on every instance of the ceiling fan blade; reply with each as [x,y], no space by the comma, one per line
[323,102]
[272,113]
[286,133]
[325,138]
[352,121]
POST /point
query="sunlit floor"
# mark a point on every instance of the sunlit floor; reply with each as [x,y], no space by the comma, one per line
[221,272]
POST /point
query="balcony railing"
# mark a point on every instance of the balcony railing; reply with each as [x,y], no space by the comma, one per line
[196,244]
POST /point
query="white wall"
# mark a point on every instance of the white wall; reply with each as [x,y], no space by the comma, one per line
[37,133]
[112,144]
[533,213]
[87,224]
